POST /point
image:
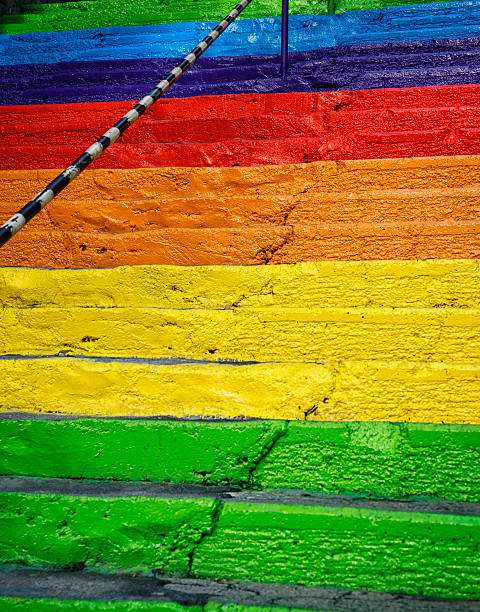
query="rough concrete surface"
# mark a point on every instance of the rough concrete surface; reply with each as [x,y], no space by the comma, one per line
[241,129]
[79,15]
[271,334]
[195,592]
[361,549]
[246,246]
[368,66]
[362,209]
[419,284]
[409,391]
[246,36]
[438,462]
[111,533]
[75,15]
[407,552]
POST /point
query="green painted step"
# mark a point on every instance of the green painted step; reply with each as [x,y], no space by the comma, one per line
[342,6]
[381,459]
[109,13]
[415,553]
[14,604]
[103,533]
[85,15]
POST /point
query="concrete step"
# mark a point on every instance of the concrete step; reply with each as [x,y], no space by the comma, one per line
[392,209]
[408,461]
[378,341]
[251,537]
[247,36]
[393,65]
[80,15]
[250,246]
[251,129]
[399,391]
[259,334]
[377,284]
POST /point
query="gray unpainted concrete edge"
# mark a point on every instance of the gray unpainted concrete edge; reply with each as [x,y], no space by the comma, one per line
[115,488]
[28,583]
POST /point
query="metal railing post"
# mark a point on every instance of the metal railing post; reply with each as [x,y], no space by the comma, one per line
[284,45]
[25,214]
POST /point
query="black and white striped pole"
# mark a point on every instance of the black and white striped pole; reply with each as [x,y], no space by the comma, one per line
[23,216]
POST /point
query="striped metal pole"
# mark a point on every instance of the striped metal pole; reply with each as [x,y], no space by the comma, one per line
[23,216]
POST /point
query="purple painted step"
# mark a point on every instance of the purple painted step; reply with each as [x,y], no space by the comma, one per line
[402,64]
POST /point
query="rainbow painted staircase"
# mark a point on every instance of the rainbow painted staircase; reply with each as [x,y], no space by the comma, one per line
[183,427]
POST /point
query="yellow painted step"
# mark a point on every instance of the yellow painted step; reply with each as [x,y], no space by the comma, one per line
[246,334]
[423,284]
[340,391]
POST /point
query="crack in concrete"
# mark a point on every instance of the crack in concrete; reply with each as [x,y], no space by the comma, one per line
[334,372]
[267,451]
[267,253]
[219,504]
[215,518]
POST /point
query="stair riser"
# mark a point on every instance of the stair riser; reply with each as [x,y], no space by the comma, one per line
[362,391]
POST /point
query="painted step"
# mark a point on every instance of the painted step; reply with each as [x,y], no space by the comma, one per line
[375,459]
[251,129]
[247,334]
[376,284]
[394,65]
[399,391]
[409,317]
[198,595]
[259,539]
[408,208]
[244,37]
[249,246]
[79,15]
[82,15]
[247,36]
[70,605]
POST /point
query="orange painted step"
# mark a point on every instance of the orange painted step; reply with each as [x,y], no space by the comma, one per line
[371,209]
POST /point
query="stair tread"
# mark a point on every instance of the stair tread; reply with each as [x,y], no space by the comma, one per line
[380,65]
[422,284]
[294,128]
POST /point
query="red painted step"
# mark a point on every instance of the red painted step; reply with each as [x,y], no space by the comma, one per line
[250,129]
